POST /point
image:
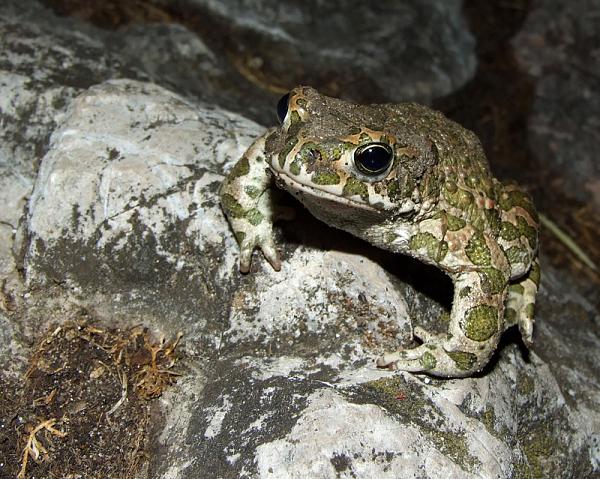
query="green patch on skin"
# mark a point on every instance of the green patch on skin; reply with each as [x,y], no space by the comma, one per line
[295,167]
[455,223]
[527,231]
[241,168]
[231,206]
[478,251]
[471,181]
[436,249]
[461,199]
[428,361]
[252,191]
[450,185]
[529,310]
[516,289]
[394,190]
[510,199]
[510,315]
[239,236]
[463,360]
[309,154]
[355,187]
[430,186]
[289,146]
[508,231]
[295,124]
[493,281]
[254,217]
[365,138]
[338,150]
[534,273]
[295,116]
[493,220]
[481,322]
[516,254]
[477,220]
[463,293]
[325,177]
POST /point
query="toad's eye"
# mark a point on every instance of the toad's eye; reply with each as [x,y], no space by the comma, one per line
[374,158]
[282,107]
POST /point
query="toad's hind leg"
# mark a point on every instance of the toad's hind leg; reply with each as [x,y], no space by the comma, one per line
[520,303]
[476,323]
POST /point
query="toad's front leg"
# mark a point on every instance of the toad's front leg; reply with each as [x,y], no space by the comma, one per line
[247,200]
[476,323]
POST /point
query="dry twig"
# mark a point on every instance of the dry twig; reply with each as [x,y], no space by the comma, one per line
[34,448]
[153,378]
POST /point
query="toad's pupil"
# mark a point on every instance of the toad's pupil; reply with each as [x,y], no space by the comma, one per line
[282,107]
[374,158]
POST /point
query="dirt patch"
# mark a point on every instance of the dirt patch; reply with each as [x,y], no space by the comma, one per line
[83,407]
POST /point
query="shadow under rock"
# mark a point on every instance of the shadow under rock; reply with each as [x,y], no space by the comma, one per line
[308,231]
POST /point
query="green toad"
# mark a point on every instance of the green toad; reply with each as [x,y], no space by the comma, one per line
[404,178]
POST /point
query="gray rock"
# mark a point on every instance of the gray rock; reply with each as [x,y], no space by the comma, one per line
[124,222]
[133,173]
[44,63]
[559,47]
[396,51]
[43,66]
[125,216]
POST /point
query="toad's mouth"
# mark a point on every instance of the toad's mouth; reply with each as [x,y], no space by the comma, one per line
[299,189]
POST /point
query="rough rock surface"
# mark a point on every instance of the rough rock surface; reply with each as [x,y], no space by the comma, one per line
[342,48]
[559,46]
[124,224]
[285,378]
[44,63]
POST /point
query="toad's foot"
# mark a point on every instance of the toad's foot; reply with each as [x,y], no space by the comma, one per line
[437,356]
[430,358]
[266,244]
